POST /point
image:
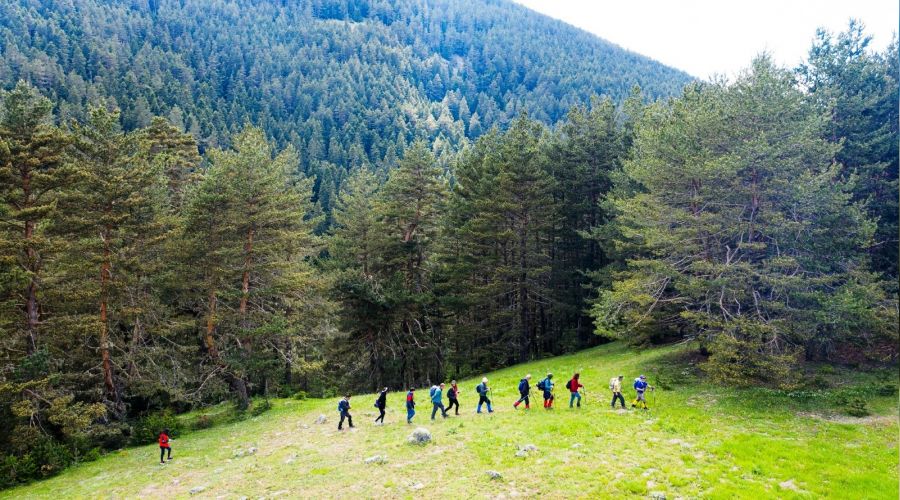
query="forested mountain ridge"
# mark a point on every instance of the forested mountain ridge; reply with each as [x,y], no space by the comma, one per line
[345,82]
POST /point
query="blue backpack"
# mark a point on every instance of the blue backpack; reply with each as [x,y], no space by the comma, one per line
[523,385]
[542,385]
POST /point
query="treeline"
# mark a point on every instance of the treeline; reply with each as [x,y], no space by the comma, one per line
[757,217]
[349,83]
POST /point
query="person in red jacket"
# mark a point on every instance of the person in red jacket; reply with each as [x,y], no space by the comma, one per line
[164,446]
[573,386]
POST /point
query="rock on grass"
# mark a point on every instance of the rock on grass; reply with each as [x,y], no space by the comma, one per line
[494,474]
[376,459]
[420,436]
[322,419]
[197,489]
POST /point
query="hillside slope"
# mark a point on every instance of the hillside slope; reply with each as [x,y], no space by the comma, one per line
[342,80]
[697,440]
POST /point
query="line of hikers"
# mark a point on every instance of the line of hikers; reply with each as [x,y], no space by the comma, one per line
[546,385]
[436,394]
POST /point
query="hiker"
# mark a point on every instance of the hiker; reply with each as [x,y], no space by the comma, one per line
[164,445]
[615,385]
[344,408]
[482,390]
[436,394]
[546,385]
[381,404]
[640,385]
[573,386]
[410,405]
[453,397]
[524,389]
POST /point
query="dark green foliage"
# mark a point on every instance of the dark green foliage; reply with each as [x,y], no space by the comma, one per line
[744,234]
[348,83]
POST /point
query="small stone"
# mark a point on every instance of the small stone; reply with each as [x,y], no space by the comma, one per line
[377,459]
[176,482]
[657,495]
[647,472]
[305,426]
[252,451]
[494,474]
[197,489]
[620,475]
[521,453]
[529,448]
[322,419]
[788,485]
[651,484]
[577,445]
[417,486]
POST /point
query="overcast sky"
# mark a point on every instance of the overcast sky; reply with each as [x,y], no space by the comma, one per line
[706,37]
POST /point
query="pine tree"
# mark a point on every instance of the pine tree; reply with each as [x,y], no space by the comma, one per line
[32,172]
[859,89]
[110,219]
[743,225]
[247,225]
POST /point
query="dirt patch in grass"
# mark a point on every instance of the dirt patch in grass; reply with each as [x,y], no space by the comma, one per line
[846,419]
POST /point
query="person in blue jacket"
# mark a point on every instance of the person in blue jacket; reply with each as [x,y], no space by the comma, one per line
[641,386]
[436,395]
[482,390]
[524,390]
[546,385]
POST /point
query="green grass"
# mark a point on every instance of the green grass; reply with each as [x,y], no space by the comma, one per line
[698,440]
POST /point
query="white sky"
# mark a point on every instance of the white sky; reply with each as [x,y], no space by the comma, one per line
[706,37]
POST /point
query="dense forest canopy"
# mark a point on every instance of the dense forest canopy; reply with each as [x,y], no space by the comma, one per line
[348,83]
[223,203]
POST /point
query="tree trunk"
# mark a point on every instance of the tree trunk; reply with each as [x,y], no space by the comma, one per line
[237,384]
[31,304]
[245,288]
[105,277]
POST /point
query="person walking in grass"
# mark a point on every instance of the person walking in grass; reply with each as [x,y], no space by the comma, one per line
[437,393]
[482,390]
[640,386]
[453,397]
[381,404]
[524,390]
[615,385]
[573,386]
[344,408]
[546,386]
[410,405]
[164,446]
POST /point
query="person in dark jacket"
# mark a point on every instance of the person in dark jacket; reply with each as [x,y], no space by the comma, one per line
[344,408]
[482,390]
[453,397]
[410,405]
[524,390]
[381,404]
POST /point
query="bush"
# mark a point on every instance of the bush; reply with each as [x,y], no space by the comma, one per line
[300,395]
[147,429]
[203,422]
[886,390]
[260,407]
[857,407]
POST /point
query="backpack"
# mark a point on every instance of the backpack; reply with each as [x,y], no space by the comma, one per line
[569,384]
[480,389]
[612,383]
[523,385]
[433,389]
[542,385]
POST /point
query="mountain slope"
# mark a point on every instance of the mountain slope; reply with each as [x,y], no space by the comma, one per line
[697,440]
[345,81]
